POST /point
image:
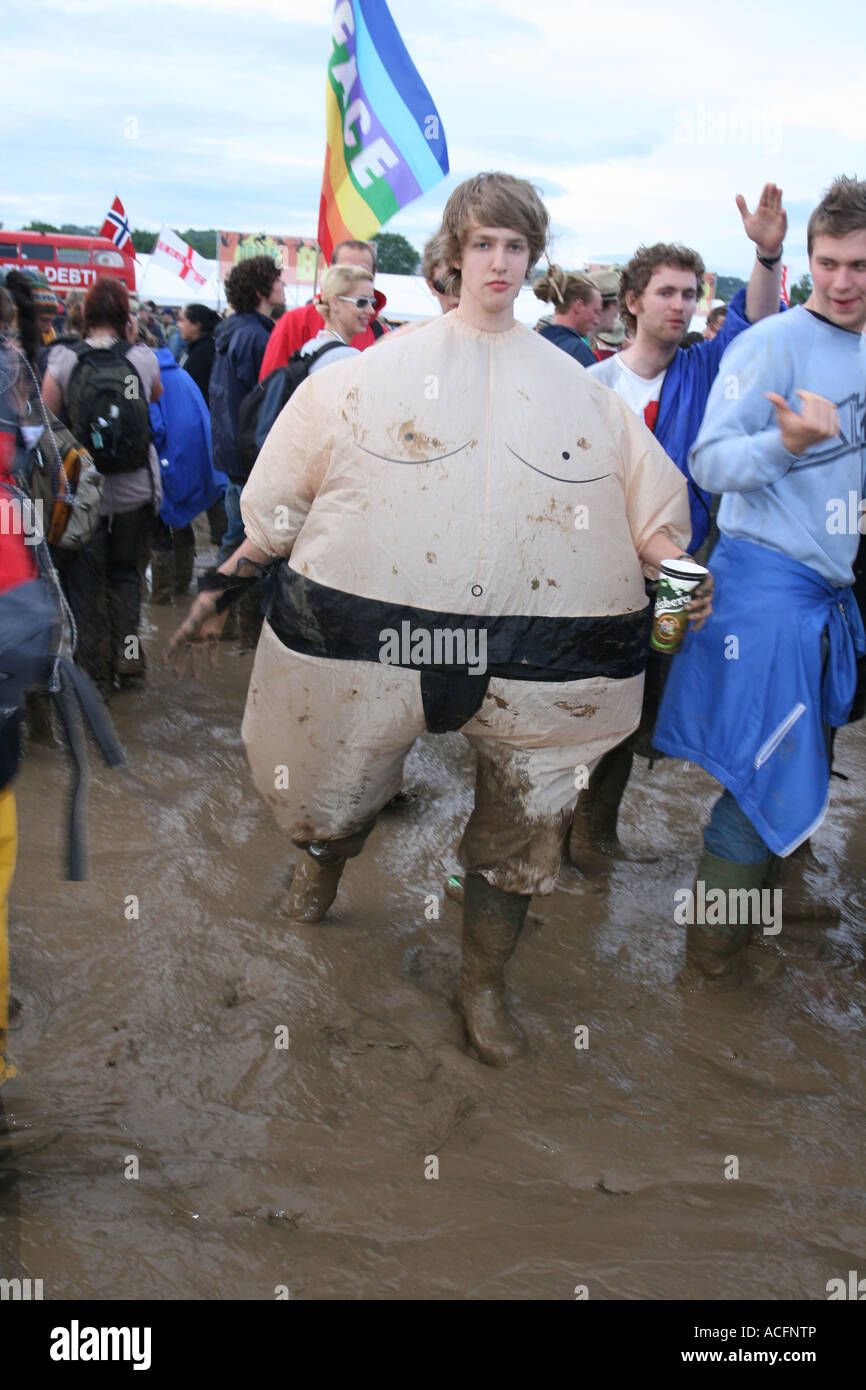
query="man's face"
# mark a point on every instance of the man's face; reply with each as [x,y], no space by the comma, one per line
[45,321]
[838,267]
[277,294]
[665,308]
[350,255]
[585,318]
[493,266]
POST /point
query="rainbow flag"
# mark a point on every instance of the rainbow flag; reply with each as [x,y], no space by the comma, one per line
[386,145]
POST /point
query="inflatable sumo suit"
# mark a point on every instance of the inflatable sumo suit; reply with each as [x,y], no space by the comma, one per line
[477,485]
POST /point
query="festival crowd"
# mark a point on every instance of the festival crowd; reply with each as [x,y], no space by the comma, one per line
[461,525]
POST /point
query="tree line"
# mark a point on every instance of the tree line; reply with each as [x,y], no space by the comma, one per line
[396,255]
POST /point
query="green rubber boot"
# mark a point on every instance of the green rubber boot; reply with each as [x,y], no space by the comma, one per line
[807,911]
[184,564]
[161,576]
[593,842]
[492,922]
[717,949]
[314,882]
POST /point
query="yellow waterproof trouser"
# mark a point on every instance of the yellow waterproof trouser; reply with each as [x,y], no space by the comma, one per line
[8,851]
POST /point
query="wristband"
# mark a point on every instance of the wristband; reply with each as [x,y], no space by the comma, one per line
[767,262]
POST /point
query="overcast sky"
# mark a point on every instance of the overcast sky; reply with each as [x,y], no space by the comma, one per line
[639,123]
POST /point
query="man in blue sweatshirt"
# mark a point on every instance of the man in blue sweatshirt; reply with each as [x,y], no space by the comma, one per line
[753,696]
[669,386]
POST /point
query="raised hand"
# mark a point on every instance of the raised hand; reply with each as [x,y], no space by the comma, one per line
[767,225]
[818,420]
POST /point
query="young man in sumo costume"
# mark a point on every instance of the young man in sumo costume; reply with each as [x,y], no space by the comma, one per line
[462,519]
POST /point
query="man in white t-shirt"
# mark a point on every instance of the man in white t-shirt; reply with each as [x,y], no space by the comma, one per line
[640,393]
[668,386]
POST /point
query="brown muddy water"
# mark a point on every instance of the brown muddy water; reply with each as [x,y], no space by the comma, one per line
[150,1045]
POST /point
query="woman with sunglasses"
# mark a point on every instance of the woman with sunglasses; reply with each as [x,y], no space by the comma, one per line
[347,306]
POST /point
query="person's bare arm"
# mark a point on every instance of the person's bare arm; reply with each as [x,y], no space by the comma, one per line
[766,227]
[203,624]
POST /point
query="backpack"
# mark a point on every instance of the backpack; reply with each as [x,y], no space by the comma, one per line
[49,463]
[106,408]
[65,484]
[180,421]
[261,406]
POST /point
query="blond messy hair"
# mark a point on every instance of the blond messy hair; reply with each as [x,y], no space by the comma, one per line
[491,200]
[561,288]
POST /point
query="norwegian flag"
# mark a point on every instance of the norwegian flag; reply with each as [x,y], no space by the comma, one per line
[116,228]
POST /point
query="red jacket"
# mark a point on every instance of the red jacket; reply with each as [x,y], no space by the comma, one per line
[298,326]
[17,564]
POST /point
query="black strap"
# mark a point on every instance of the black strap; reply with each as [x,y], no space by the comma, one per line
[320,621]
[320,352]
[77,695]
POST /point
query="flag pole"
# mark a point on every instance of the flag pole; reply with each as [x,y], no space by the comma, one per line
[316,274]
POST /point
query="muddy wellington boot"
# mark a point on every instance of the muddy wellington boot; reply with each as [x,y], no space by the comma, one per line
[492,921]
[161,576]
[314,887]
[184,564]
[316,876]
[593,843]
[718,951]
[800,901]
[807,912]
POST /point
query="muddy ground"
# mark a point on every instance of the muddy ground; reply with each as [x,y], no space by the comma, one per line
[304,1166]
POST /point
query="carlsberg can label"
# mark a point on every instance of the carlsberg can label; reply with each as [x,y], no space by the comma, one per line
[677,581]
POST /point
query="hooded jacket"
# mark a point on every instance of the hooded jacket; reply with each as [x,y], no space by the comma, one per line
[239,343]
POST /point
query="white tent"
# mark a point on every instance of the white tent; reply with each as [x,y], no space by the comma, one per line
[165,289]
[407,295]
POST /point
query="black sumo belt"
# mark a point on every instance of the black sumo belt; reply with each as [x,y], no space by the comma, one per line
[455,654]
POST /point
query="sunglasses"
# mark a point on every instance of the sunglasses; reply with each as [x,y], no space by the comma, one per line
[362,303]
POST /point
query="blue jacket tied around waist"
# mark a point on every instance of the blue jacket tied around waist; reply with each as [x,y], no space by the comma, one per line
[749,695]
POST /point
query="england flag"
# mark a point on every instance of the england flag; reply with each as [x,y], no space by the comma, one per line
[116,228]
[179,257]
